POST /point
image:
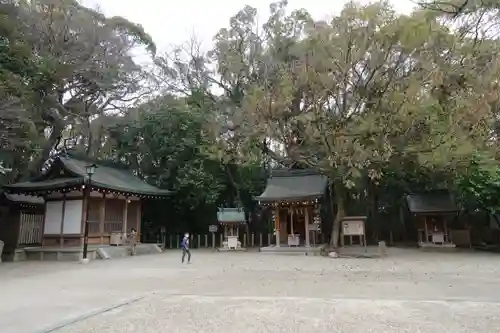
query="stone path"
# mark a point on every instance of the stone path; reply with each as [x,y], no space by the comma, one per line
[409,291]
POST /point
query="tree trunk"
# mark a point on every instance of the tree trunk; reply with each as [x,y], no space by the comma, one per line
[48,147]
[339,202]
[234,185]
[90,138]
[373,209]
[495,217]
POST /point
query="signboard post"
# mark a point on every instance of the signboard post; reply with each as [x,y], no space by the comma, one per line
[354,226]
[314,227]
[212,229]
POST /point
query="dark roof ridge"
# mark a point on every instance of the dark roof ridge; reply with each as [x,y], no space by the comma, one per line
[101,163]
[294,172]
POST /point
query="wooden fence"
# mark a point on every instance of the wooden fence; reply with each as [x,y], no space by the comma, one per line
[215,240]
[31,229]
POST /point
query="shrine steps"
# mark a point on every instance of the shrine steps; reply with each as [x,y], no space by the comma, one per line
[95,252]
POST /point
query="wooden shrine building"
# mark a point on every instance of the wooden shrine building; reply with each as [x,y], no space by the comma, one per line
[295,196]
[21,222]
[433,211]
[232,219]
[115,202]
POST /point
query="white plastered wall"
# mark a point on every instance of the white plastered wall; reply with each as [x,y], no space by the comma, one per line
[53,218]
[73,217]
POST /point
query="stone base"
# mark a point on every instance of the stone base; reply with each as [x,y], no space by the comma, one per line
[437,247]
[360,252]
[59,253]
[226,249]
[84,261]
[292,250]
[94,252]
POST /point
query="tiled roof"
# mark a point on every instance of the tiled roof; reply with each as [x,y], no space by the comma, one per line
[231,215]
[105,177]
[439,201]
[294,184]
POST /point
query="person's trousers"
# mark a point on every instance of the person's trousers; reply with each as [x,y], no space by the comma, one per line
[184,251]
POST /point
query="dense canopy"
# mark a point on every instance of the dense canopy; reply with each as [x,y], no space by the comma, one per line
[380,103]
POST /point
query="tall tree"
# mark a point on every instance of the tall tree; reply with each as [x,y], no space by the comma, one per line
[84,66]
[349,95]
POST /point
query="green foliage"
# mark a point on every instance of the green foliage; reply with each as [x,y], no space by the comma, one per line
[479,186]
[165,144]
[61,66]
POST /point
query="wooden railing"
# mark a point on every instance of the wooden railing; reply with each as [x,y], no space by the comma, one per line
[113,226]
[94,227]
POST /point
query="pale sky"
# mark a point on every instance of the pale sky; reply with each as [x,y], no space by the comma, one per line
[175,22]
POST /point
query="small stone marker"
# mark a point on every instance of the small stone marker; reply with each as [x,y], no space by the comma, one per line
[333,254]
[382,249]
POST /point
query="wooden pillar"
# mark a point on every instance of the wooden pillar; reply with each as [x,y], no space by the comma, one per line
[403,226]
[364,234]
[85,202]
[342,236]
[125,216]
[102,216]
[277,225]
[138,221]
[445,231]
[426,235]
[306,218]
[61,236]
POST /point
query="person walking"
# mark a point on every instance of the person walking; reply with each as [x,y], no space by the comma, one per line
[132,240]
[185,248]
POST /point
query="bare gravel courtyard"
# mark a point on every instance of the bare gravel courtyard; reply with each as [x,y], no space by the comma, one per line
[409,291]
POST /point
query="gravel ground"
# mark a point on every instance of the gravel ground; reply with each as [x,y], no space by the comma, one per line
[409,291]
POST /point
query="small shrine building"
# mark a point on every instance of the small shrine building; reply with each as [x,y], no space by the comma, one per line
[231,220]
[432,212]
[295,197]
[115,201]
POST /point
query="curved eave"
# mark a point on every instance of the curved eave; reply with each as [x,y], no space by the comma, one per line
[76,184]
[435,212]
[157,194]
[44,187]
[231,222]
[289,200]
